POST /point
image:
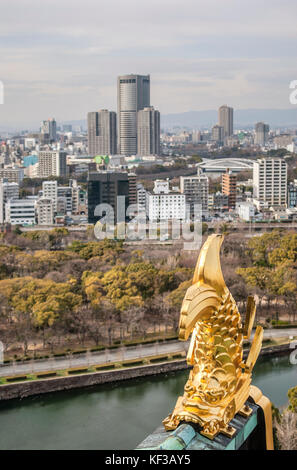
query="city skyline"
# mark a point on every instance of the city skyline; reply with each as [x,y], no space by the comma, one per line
[58,62]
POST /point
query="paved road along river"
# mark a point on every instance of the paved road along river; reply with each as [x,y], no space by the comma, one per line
[114,355]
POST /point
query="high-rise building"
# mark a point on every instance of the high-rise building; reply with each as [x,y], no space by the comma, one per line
[51,163]
[270,182]
[48,130]
[133,95]
[226,119]
[261,133]
[195,189]
[102,133]
[229,187]
[217,133]
[148,132]
[104,188]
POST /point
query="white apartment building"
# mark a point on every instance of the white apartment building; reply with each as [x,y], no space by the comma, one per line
[165,205]
[7,191]
[45,211]
[51,163]
[270,182]
[20,211]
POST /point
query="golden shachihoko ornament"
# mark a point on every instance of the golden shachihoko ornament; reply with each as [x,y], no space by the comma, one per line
[219,383]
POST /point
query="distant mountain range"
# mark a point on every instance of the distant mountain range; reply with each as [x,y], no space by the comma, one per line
[243,118]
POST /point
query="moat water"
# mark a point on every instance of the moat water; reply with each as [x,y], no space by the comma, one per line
[117,416]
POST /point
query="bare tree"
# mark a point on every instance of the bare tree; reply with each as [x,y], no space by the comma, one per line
[286,430]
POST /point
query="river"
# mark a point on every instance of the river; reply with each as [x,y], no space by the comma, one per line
[117,416]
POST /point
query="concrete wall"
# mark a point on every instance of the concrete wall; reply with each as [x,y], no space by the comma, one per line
[38,387]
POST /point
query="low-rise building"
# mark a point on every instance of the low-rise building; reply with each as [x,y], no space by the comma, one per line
[246,211]
[13,175]
[165,205]
[218,202]
[21,211]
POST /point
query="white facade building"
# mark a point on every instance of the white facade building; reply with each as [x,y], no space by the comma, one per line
[246,211]
[270,182]
[165,205]
[161,187]
[20,211]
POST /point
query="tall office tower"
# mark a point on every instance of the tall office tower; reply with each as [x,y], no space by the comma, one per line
[195,189]
[226,119]
[217,133]
[7,191]
[229,187]
[133,95]
[103,188]
[148,132]
[102,133]
[261,133]
[51,163]
[270,181]
[49,130]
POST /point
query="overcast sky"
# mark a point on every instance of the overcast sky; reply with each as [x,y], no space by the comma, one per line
[61,58]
